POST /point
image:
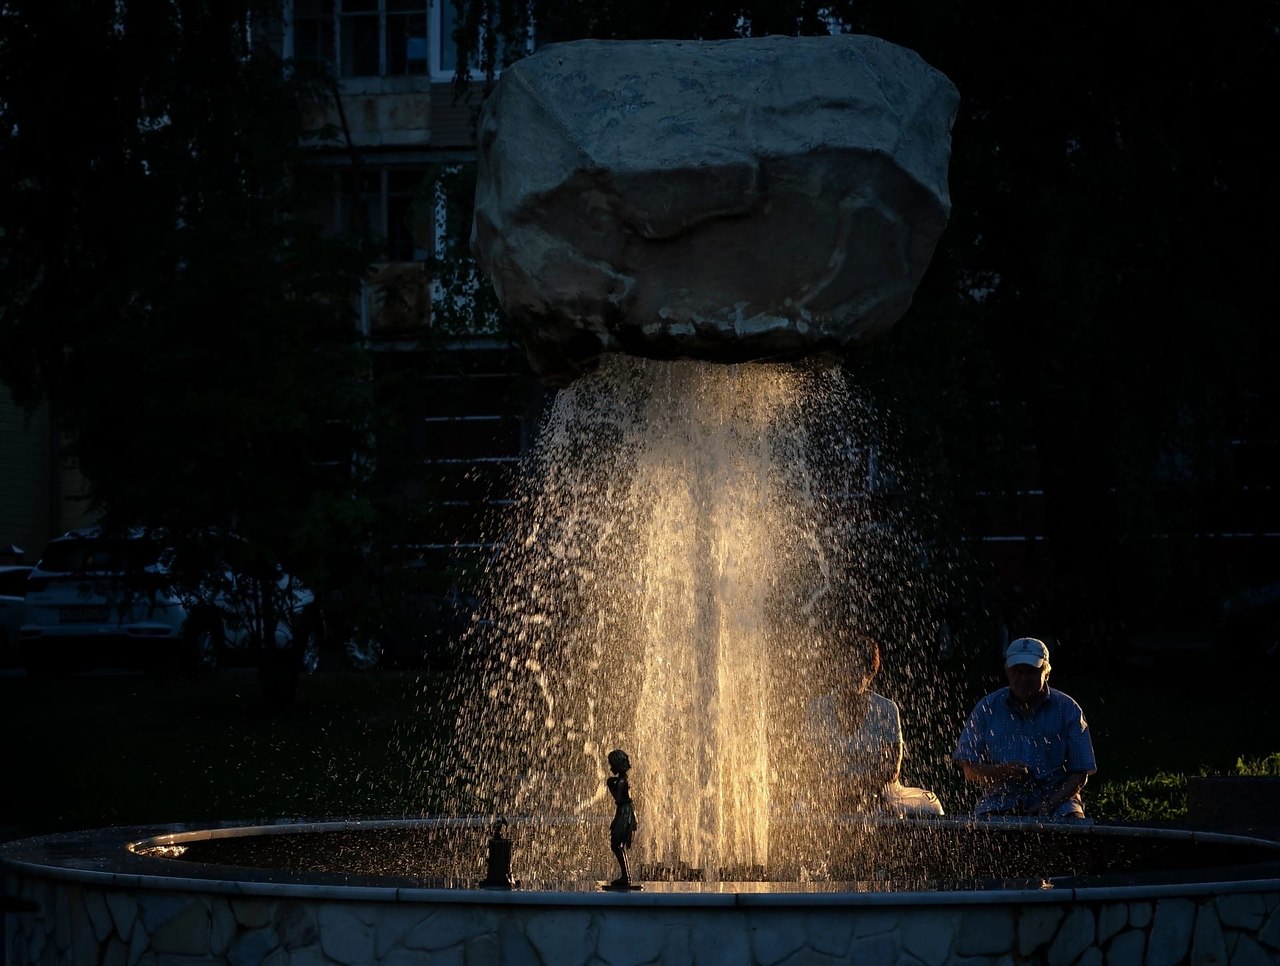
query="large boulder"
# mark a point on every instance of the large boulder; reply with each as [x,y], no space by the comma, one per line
[729,200]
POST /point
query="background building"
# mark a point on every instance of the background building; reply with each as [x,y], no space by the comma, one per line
[395,121]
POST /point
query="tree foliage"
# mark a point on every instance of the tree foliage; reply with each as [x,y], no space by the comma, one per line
[491,34]
[192,335]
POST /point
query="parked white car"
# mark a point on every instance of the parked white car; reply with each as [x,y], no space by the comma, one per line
[13,590]
[98,600]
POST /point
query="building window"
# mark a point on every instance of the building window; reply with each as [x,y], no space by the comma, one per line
[444,50]
[378,38]
[378,205]
[363,38]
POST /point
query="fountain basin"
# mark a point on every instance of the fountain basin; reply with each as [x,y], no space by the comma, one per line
[98,895]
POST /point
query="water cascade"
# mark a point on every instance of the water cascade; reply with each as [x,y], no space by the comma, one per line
[692,544]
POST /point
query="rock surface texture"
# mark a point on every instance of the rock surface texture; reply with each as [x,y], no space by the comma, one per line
[743,199]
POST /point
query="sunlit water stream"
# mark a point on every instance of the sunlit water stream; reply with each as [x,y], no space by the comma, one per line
[690,545]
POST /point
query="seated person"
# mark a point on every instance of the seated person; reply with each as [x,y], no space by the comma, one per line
[860,733]
[1027,745]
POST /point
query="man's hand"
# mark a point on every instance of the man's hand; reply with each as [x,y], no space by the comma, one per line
[1069,787]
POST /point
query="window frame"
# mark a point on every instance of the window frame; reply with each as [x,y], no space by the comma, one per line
[385,17]
[388,192]
[434,11]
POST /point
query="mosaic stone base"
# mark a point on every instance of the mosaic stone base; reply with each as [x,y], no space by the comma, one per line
[82,914]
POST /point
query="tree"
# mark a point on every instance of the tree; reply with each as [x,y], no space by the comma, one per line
[192,334]
[491,34]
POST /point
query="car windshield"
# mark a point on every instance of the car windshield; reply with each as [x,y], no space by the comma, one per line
[100,555]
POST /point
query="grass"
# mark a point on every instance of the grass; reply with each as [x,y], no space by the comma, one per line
[90,751]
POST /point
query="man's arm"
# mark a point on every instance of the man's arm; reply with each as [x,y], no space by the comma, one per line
[971,749]
[1071,784]
[981,771]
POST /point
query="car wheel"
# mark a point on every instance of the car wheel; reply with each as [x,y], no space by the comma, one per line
[364,651]
[203,642]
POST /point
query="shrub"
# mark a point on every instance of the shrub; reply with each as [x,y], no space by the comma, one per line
[1268,766]
[1160,797]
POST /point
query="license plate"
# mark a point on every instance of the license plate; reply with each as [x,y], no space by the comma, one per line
[83,615]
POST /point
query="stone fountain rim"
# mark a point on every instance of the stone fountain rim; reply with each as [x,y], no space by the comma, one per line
[110,857]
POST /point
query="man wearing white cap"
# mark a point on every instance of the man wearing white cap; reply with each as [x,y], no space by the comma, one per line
[1027,745]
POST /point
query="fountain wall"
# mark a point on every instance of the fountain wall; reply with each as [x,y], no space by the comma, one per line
[93,901]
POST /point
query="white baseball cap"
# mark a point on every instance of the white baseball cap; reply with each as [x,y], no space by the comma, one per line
[1027,650]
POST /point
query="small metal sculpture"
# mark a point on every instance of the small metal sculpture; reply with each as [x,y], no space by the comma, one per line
[623,827]
[498,875]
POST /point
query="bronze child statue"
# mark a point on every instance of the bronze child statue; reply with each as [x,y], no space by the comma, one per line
[623,827]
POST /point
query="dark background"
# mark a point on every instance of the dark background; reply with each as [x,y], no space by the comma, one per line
[1084,388]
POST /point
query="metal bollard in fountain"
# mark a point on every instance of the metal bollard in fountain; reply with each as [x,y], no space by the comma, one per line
[498,874]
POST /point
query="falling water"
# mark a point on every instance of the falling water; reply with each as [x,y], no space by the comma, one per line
[690,546]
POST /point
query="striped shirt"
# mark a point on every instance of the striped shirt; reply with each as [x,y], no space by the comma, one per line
[1052,740]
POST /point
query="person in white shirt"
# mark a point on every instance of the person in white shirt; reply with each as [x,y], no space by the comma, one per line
[859,732]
